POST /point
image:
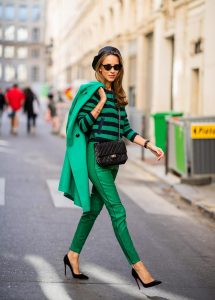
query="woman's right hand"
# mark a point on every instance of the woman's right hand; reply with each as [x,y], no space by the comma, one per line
[102,94]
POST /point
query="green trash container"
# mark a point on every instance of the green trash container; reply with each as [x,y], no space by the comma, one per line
[160,126]
[180,151]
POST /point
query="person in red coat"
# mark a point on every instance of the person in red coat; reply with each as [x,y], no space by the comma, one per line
[15,99]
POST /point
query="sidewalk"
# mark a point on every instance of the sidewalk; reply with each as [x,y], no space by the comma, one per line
[202,197]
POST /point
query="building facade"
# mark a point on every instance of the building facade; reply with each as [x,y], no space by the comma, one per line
[22,48]
[168,48]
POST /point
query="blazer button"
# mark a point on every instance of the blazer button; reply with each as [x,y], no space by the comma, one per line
[77,135]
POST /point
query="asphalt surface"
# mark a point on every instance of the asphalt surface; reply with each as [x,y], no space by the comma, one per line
[176,244]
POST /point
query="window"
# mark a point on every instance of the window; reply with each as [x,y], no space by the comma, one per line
[35,34]
[9,51]
[22,52]
[1,35]
[22,72]
[35,53]
[9,33]
[132,96]
[22,34]
[9,12]
[9,73]
[35,74]
[35,12]
[23,13]
[1,11]
[1,50]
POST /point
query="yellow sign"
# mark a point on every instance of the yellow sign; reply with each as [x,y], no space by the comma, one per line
[203,131]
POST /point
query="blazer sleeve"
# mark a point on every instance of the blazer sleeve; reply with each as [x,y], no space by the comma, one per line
[85,118]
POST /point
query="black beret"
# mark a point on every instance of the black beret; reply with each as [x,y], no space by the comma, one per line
[102,51]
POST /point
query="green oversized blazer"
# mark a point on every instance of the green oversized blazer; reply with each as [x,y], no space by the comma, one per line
[74,180]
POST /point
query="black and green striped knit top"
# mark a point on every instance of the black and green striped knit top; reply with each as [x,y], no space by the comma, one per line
[106,126]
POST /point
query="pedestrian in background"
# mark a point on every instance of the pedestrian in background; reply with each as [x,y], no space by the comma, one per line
[31,108]
[52,112]
[2,106]
[93,118]
[15,99]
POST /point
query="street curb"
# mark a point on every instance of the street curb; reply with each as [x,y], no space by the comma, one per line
[200,205]
[206,211]
[204,208]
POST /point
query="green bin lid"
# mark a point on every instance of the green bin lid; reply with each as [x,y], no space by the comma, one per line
[167,113]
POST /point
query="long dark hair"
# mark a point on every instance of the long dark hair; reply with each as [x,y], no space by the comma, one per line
[29,93]
[117,84]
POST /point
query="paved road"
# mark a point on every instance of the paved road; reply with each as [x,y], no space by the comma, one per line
[37,225]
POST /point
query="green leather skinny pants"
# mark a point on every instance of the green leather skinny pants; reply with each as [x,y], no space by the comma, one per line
[104,192]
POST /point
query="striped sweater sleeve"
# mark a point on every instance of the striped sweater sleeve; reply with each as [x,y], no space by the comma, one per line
[85,118]
[128,132]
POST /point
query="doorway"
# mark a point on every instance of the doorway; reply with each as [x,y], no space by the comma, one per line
[195,92]
[149,79]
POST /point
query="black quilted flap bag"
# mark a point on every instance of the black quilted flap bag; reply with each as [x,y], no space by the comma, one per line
[111,153]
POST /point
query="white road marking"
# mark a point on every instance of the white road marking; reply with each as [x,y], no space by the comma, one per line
[150,202]
[125,287]
[4,147]
[2,191]
[6,150]
[3,143]
[114,280]
[57,197]
[46,275]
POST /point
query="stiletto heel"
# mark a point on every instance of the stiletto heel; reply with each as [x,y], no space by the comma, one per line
[67,263]
[137,283]
[65,268]
[145,285]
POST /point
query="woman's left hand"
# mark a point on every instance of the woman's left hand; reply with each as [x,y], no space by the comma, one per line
[158,152]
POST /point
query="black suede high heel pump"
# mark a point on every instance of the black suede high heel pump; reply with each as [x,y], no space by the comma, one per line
[67,263]
[145,285]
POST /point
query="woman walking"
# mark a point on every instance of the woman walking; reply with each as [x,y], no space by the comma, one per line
[2,106]
[31,108]
[97,111]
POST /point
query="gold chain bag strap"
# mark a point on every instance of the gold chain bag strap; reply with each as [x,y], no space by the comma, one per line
[111,153]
